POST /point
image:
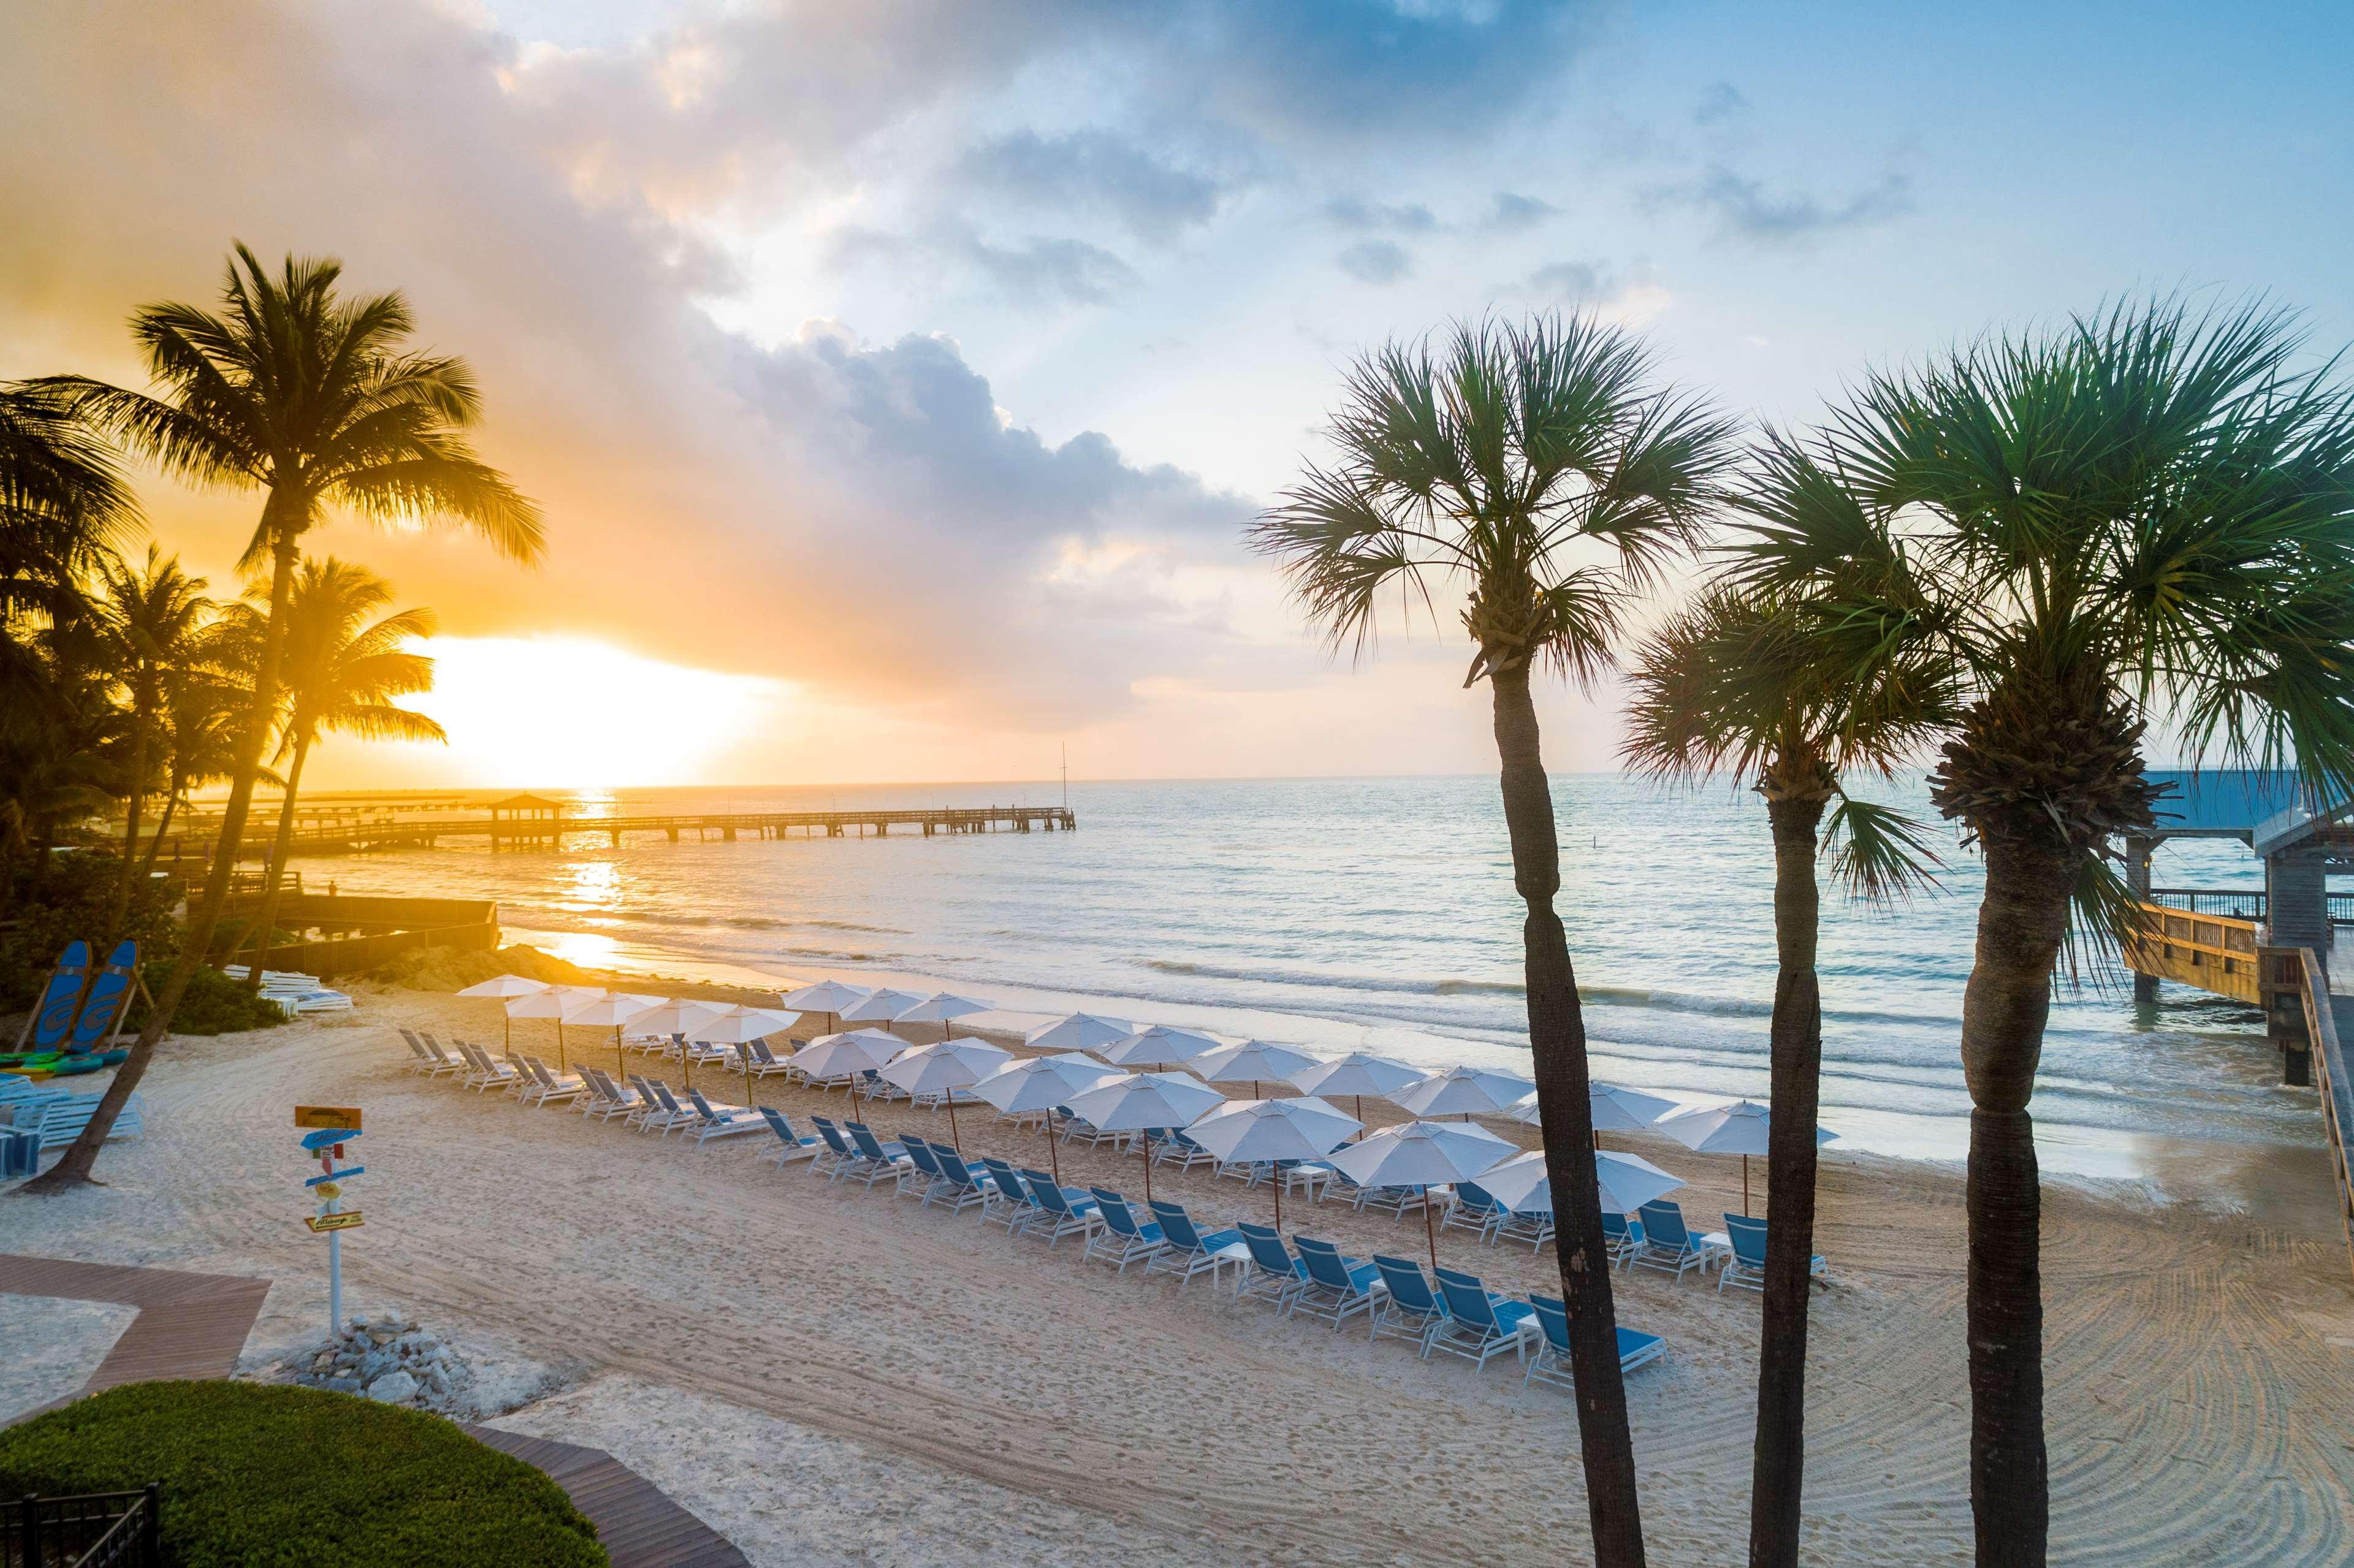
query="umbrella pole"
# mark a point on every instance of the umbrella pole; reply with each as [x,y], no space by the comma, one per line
[1148,1176]
[1430,1230]
[1360,1119]
[954,1137]
[619,1067]
[559,1046]
[1745,1186]
[1054,1155]
[744,1054]
[1278,1202]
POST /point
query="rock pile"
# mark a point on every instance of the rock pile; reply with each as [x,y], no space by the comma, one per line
[388,1358]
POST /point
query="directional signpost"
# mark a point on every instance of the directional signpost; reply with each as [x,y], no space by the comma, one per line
[333,1127]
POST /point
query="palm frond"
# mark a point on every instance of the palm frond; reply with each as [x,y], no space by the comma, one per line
[1878,855]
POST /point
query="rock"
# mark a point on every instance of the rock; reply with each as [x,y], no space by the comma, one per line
[322,1361]
[382,1336]
[376,1363]
[344,1385]
[393,1388]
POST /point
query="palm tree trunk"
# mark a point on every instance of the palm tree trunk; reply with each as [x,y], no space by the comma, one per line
[163,822]
[73,1169]
[140,719]
[1557,1044]
[1777,1469]
[2022,919]
[278,853]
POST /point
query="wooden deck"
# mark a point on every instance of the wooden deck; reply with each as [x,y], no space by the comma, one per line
[196,1325]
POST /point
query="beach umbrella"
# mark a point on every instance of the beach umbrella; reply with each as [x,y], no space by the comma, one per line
[1156,1045]
[859,1051]
[1305,1128]
[1614,1109]
[1079,1031]
[615,1008]
[944,1068]
[504,987]
[1134,1102]
[1463,1091]
[1254,1061]
[1040,1084]
[1626,1181]
[738,1026]
[829,997]
[879,1007]
[943,1008]
[1423,1154]
[553,1002]
[666,1019]
[1356,1074]
[1736,1126]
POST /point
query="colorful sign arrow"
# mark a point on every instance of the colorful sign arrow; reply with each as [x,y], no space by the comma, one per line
[347,1171]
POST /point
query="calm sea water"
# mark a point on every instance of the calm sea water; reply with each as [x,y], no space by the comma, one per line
[1340,914]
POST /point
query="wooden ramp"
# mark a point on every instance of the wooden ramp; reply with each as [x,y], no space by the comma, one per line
[194,1326]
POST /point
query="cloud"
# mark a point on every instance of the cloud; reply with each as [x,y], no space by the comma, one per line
[1356,213]
[1037,271]
[1374,261]
[1722,101]
[1093,170]
[1571,280]
[1745,208]
[1513,212]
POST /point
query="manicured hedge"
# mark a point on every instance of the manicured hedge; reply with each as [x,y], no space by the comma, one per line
[272,1477]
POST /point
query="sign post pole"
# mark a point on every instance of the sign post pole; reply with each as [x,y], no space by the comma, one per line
[333,1127]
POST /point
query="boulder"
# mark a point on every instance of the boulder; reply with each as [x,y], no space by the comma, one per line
[393,1388]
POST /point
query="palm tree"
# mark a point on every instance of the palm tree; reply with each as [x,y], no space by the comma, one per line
[1737,684]
[204,711]
[152,620]
[341,674]
[309,397]
[2146,515]
[1538,470]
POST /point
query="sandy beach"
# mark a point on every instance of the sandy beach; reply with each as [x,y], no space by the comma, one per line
[828,1375]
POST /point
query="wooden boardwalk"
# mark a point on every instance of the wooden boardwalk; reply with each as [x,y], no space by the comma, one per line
[196,1325]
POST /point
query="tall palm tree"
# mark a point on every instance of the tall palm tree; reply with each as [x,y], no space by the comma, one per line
[310,398]
[203,716]
[1538,470]
[341,671]
[1737,684]
[152,619]
[2146,515]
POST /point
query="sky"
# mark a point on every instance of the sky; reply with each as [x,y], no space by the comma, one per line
[898,377]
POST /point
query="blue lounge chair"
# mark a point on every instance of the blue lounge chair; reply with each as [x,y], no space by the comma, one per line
[1270,1274]
[1621,1235]
[1480,1324]
[1064,1211]
[1336,1289]
[874,1159]
[719,1121]
[790,1144]
[1009,1204]
[1180,1149]
[961,1188]
[1533,1227]
[1475,1209]
[1667,1246]
[838,1156]
[1410,1309]
[1123,1239]
[53,1015]
[1746,1267]
[1551,1363]
[1189,1252]
[920,1177]
[108,999]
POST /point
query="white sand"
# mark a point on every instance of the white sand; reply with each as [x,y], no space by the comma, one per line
[52,1347]
[834,1375]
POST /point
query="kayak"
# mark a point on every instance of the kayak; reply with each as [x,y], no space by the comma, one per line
[60,1065]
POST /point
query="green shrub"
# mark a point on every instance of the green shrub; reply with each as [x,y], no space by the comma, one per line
[74,896]
[258,1476]
[213,1004]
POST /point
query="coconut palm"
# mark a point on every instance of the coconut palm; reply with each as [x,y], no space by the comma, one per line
[2145,516]
[203,715]
[151,619]
[1540,471]
[341,671]
[309,397]
[63,502]
[1737,684]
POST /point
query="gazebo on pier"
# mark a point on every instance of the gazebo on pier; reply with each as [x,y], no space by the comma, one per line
[527,820]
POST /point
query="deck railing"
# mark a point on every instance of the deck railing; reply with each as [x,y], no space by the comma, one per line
[97,1530]
[2294,972]
[2242,902]
[2214,952]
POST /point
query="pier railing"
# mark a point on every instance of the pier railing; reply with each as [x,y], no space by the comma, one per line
[2241,903]
[2303,1012]
[2214,952]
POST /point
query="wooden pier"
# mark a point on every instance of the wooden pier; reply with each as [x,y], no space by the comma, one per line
[526,823]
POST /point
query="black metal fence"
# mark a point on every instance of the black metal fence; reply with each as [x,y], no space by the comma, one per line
[100,1530]
[2241,903]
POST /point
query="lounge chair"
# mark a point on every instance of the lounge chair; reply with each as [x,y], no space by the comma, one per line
[1746,1265]
[1480,1324]
[426,1062]
[719,1121]
[1410,1309]
[765,1062]
[1550,1363]
[1336,1289]
[961,1187]
[1067,1211]
[1621,1234]
[1667,1246]
[1188,1252]
[481,1072]
[61,1119]
[790,1144]
[1009,1202]
[837,1156]
[1270,1274]
[1398,1200]
[658,1109]
[546,1089]
[1474,1209]
[606,1100]
[1533,1227]
[1180,1149]
[875,1160]
[451,1062]
[921,1175]
[1123,1239]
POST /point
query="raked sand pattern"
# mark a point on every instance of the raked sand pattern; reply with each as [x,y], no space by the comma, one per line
[832,1375]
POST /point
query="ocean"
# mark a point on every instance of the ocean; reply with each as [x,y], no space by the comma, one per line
[1339,914]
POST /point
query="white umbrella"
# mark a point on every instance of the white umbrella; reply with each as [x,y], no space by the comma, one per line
[1423,1154]
[1156,1044]
[1253,1062]
[1252,1131]
[879,1007]
[1626,1182]
[944,1068]
[1356,1074]
[503,986]
[1614,1109]
[839,1055]
[1079,1031]
[829,997]
[1736,1126]
[1464,1091]
[616,1008]
[673,1018]
[553,1002]
[735,1026]
[1133,1102]
[943,1008]
[1040,1084]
